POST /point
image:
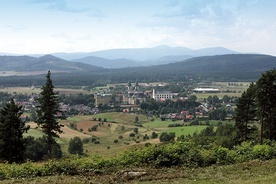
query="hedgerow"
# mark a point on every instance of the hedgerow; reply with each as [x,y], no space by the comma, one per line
[178,153]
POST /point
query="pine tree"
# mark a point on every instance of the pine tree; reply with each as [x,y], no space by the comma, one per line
[48,101]
[266,92]
[12,143]
[245,113]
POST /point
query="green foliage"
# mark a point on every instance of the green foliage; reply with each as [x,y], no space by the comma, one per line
[178,153]
[245,114]
[115,141]
[75,146]
[222,156]
[36,149]
[167,137]
[85,140]
[12,143]
[94,128]
[266,103]
[73,126]
[154,135]
[48,101]
[136,130]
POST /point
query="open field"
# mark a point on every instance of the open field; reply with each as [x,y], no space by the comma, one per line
[118,127]
[37,90]
[186,130]
[232,89]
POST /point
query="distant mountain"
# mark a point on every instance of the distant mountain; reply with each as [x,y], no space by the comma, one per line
[47,62]
[155,53]
[141,56]
[106,63]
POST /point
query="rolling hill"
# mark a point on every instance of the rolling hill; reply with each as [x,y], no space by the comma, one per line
[47,62]
[106,63]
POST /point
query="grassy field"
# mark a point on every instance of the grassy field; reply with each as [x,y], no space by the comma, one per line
[232,89]
[253,172]
[37,90]
[186,130]
[114,135]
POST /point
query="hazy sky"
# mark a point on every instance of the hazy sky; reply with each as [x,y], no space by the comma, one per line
[47,26]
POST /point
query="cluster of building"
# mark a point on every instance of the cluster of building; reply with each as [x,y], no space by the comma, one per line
[133,96]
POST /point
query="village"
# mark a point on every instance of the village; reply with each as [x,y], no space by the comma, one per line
[134,98]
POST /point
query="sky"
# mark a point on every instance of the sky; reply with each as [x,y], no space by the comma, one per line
[49,26]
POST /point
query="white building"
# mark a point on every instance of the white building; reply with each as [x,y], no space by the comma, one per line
[205,90]
[162,95]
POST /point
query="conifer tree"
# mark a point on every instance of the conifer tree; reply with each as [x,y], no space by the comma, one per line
[12,143]
[245,113]
[266,99]
[48,101]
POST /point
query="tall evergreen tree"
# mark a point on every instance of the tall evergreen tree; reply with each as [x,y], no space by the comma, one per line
[12,143]
[266,98]
[245,113]
[48,101]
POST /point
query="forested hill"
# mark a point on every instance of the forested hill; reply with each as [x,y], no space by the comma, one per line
[221,68]
[231,66]
[47,62]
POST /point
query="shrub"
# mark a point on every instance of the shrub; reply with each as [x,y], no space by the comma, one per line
[116,141]
[94,128]
[146,137]
[85,140]
[136,130]
[154,135]
[75,146]
[132,134]
[223,156]
[262,152]
[167,137]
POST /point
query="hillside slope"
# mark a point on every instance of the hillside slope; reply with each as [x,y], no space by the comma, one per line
[47,62]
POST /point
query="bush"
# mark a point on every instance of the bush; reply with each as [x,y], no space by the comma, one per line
[223,156]
[36,149]
[136,130]
[132,134]
[116,141]
[85,140]
[75,146]
[167,137]
[262,152]
[94,128]
[154,135]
